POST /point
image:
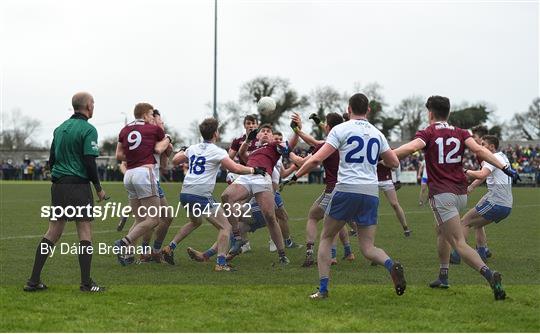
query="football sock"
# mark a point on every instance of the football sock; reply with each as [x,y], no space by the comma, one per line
[209,253]
[323,286]
[482,251]
[334,252]
[157,245]
[281,253]
[236,235]
[85,260]
[443,272]
[309,248]
[388,264]
[41,257]
[487,273]
[288,241]
[125,241]
[347,249]
[221,260]
[172,245]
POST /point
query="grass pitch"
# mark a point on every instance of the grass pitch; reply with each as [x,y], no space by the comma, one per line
[259,296]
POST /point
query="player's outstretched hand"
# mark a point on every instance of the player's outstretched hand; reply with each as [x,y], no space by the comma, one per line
[284,150]
[288,182]
[252,135]
[259,171]
[508,170]
[315,118]
[294,126]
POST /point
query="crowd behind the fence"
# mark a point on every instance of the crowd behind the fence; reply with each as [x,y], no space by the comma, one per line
[524,158]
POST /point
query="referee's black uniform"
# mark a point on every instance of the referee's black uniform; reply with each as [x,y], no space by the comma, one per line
[73,166]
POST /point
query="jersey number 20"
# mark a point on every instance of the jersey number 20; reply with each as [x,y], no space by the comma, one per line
[359,158]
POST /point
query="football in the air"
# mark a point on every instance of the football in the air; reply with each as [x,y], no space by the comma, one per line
[266,105]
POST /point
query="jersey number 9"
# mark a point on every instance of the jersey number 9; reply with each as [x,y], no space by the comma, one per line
[134,138]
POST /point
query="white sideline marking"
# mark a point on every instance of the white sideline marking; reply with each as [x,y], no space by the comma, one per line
[426,211]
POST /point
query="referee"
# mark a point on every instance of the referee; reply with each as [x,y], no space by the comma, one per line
[73,165]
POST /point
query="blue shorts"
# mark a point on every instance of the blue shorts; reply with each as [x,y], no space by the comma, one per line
[360,208]
[424,180]
[279,200]
[196,201]
[257,221]
[492,212]
[161,193]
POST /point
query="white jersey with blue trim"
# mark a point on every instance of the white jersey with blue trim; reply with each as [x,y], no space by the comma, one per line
[157,165]
[499,184]
[204,161]
[359,144]
[276,173]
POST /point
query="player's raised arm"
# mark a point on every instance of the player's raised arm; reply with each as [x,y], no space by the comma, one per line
[298,160]
[409,148]
[315,159]
[162,145]
[479,174]
[296,125]
[232,153]
[485,155]
[180,157]
[285,172]
[390,159]
[242,152]
[233,167]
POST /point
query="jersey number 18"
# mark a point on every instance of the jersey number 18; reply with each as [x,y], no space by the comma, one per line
[196,165]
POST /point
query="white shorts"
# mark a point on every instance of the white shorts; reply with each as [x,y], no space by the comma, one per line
[140,182]
[386,185]
[255,183]
[447,205]
[323,200]
[231,177]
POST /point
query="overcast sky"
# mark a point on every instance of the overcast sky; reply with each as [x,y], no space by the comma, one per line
[161,52]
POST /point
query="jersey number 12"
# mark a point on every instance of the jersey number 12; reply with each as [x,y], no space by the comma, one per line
[451,156]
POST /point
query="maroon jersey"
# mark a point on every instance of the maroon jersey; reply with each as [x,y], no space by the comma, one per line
[331,166]
[237,142]
[444,154]
[138,140]
[383,173]
[265,157]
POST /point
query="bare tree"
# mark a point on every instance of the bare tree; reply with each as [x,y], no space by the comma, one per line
[18,131]
[413,116]
[526,125]
[325,100]
[377,116]
[287,99]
